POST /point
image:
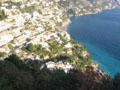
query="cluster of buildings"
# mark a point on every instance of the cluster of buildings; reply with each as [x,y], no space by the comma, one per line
[57,65]
[21,28]
[90,6]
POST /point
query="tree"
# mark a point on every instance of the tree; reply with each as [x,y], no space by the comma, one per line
[3,84]
[71,11]
[116,82]
[93,80]
[2,15]
[15,60]
[31,47]
[14,78]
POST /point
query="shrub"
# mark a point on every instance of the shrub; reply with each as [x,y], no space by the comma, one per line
[2,15]
[29,9]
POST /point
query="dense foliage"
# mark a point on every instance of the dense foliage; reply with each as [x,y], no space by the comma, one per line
[59,53]
[17,4]
[2,15]
[16,75]
[29,9]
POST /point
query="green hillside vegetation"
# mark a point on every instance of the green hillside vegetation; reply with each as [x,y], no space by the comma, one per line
[12,4]
[2,15]
[84,6]
[16,75]
[59,53]
[29,9]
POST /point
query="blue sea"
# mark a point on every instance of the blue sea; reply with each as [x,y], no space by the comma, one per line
[100,33]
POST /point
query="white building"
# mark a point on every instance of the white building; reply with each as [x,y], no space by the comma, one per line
[50,65]
[4,39]
[40,29]
[20,40]
[16,32]
[84,53]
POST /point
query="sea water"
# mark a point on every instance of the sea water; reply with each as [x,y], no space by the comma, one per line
[100,33]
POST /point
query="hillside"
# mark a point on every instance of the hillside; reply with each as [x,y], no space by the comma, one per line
[80,7]
[37,53]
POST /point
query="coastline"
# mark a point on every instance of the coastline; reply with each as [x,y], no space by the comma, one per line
[94,65]
[66,21]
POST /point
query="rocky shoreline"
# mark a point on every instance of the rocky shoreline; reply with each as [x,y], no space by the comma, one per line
[94,65]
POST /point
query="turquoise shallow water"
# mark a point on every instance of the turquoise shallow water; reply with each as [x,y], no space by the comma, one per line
[101,34]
